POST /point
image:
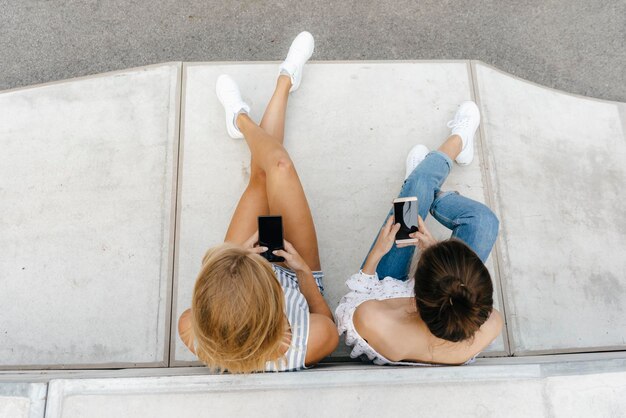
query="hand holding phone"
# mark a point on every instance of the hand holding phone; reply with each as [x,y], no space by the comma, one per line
[405,211]
[271,236]
[251,244]
[293,260]
[386,238]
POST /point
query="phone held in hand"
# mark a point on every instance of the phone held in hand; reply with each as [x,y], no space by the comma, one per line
[405,213]
[271,236]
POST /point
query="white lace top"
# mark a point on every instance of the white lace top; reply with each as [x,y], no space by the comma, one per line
[364,287]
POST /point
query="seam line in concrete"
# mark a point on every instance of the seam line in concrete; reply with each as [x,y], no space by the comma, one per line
[174,206]
[42,405]
[44,376]
[491,200]
[179,171]
[176,230]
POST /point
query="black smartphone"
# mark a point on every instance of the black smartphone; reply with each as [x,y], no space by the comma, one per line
[405,213]
[271,236]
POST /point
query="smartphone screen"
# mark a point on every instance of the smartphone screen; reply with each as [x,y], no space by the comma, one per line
[405,214]
[271,236]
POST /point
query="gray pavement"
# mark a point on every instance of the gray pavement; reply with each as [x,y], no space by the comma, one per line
[573,45]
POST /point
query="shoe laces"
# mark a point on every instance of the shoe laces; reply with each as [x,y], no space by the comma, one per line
[461,123]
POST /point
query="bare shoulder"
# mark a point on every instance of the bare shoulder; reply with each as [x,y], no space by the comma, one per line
[323,338]
[489,331]
[373,319]
[185,329]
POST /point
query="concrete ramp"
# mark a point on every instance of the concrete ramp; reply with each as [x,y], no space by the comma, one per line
[557,166]
[86,219]
[113,186]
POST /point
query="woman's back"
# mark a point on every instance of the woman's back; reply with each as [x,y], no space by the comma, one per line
[393,328]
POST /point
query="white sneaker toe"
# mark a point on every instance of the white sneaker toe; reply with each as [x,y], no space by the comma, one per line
[415,157]
[230,97]
[465,124]
[299,53]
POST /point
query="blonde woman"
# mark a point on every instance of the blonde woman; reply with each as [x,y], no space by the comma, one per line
[248,314]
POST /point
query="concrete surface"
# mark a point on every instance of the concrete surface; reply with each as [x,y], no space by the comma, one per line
[574,45]
[588,396]
[86,197]
[354,168]
[22,400]
[87,191]
[557,166]
[476,391]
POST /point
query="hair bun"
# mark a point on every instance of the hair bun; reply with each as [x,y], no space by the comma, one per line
[453,290]
[455,294]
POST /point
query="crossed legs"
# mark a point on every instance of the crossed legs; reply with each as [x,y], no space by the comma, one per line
[470,221]
[274,186]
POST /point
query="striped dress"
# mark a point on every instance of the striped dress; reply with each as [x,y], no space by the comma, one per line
[297,312]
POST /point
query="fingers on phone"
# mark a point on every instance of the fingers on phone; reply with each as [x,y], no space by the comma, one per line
[421,225]
[394,230]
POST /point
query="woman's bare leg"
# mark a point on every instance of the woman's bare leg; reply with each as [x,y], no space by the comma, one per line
[285,195]
[253,202]
[452,146]
[291,202]
[273,121]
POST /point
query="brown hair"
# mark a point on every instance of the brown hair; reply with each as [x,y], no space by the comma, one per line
[237,310]
[453,290]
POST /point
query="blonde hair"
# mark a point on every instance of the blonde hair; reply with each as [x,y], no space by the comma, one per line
[237,311]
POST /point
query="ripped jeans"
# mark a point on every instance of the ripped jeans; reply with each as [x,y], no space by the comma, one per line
[470,221]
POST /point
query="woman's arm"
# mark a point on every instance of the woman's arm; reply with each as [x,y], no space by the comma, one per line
[323,339]
[185,330]
[306,281]
[462,351]
[323,335]
[384,243]
[487,333]
[310,291]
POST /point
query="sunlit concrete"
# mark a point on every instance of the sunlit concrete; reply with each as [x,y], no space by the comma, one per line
[475,391]
[86,201]
[22,400]
[88,178]
[556,163]
[349,128]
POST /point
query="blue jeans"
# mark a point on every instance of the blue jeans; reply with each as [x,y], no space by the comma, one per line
[470,221]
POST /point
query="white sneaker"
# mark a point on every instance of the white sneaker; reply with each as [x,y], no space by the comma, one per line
[299,53]
[416,156]
[464,124]
[230,97]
